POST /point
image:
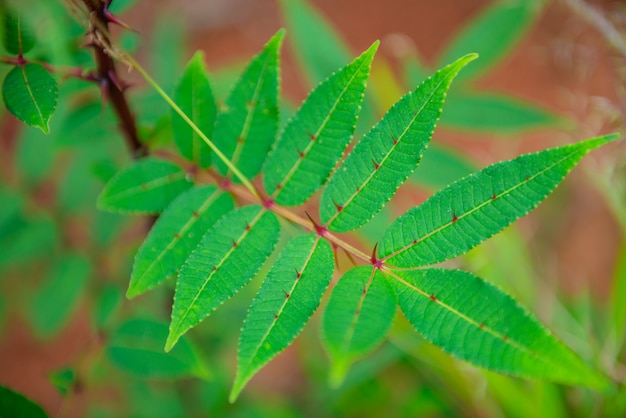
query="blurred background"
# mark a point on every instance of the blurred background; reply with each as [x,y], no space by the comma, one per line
[550,73]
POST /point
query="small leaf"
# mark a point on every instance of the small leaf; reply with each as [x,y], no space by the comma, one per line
[228,256]
[467,212]
[193,94]
[387,155]
[246,128]
[57,296]
[175,234]
[63,380]
[317,135]
[25,242]
[18,37]
[492,34]
[493,113]
[288,297]
[108,301]
[441,166]
[13,404]
[477,322]
[136,348]
[30,94]
[148,186]
[358,315]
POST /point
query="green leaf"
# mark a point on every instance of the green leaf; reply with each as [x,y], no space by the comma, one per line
[18,36]
[493,113]
[13,404]
[34,238]
[63,380]
[492,34]
[467,212]
[475,321]
[228,256]
[358,315]
[618,299]
[174,236]
[387,155]
[57,297]
[136,348]
[30,94]
[317,135]
[246,128]
[148,186]
[441,166]
[193,94]
[108,301]
[288,297]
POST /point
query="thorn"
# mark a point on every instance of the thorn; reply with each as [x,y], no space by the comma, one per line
[300,153]
[338,206]
[286,295]
[279,186]
[177,235]
[111,18]
[321,230]
[335,254]
[493,197]
[234,243]
[414,241]
[377,263]
[505,338]
[275,316]
[196,214]
[298,274]
[247,226]
[364,292]
[376,165]
[482,325]
[433,297]
[115,81]
[395,141]
[268,203]
[527,178]
[214,268]
[311,136]
[240,140]
[454,217]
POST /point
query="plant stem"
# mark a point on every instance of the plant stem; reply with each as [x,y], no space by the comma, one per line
[248,185]
[107,76]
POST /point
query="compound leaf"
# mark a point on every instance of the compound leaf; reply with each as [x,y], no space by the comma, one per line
[137,348]
[467,212]
[148,186]
[288,297]
[228,256]
[317,135]
[175,234]
[492,34]
[493,113]
[358,315]
[58,295]
[387,155]
[194,96]
[475,321]
[13,404]
[30,93]
[246,128]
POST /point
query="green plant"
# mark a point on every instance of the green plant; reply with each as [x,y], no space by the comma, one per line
[237,189]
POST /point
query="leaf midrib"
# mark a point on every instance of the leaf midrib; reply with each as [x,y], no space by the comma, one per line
[150,185]
[30,92]
[213,272]
[248,121]
[346,343]
[490,200]
[383,161]
[311,144]
[285,302]
[188,225]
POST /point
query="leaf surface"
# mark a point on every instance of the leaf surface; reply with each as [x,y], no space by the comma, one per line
[228,256]
[13,404]
[317,135]
[359,313]
[58,295]
[193,94]
[137,348]
[148,186]
[30,94]
[493,113]
[475,321]
[246,128]
[492,34]
[175,234]
[386,156]
[467,212]
[18,37]
[288,297]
